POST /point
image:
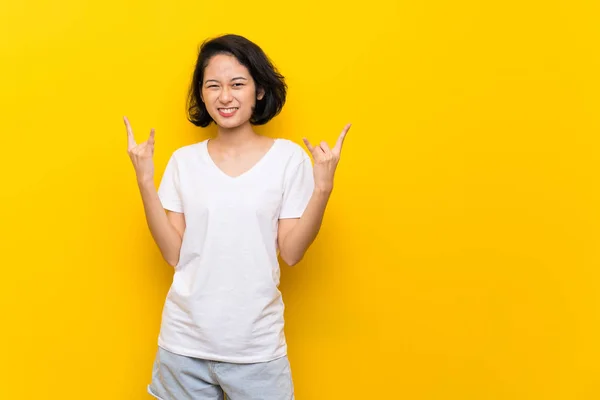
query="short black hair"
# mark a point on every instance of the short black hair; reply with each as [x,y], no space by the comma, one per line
[265,75]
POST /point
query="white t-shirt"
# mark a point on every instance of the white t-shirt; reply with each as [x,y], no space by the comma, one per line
[224,303]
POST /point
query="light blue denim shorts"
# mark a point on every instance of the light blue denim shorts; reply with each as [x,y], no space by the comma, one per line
[177,377]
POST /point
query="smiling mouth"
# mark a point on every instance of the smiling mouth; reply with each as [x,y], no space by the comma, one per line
[228,110]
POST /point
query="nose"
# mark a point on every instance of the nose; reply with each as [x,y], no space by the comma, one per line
[225,96]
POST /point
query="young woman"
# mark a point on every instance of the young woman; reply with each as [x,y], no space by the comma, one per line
[234,203]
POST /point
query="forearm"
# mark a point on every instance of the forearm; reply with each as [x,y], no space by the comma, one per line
[304,232]
[163,232]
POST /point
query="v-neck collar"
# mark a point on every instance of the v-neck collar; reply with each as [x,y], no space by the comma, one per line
[214,165]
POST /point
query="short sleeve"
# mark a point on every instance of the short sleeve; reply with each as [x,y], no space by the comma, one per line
[169,191]
[298,189]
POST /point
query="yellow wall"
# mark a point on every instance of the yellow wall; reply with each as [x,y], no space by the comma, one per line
[460,254]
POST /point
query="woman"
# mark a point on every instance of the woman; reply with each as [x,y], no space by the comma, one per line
[233,204]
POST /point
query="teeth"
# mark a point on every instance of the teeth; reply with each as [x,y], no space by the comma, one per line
[228,110]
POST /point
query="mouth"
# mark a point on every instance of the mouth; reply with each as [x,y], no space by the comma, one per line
[227,112]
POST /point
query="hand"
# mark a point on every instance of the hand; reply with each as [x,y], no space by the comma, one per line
[326,160]
[141,154]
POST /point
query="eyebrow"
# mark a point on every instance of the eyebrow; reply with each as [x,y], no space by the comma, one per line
[233,79]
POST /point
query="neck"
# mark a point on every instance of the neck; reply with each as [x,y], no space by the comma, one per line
[236,137]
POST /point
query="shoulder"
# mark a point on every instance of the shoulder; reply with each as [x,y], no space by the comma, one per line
[293,152]
[188,151]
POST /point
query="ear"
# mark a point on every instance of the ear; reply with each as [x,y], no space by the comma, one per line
[260,94]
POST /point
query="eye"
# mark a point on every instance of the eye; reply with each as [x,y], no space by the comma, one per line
[238,84]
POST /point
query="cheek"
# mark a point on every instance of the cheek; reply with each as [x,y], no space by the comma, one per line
[250,99]
[206,96]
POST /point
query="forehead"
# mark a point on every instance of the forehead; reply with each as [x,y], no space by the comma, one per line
[224,66]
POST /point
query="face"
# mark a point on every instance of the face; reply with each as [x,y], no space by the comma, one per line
[228,91]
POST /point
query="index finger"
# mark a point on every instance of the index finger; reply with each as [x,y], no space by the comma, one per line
[342,137]
[130,139]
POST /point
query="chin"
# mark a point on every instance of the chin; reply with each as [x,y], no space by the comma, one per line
[231,123]
[227,123]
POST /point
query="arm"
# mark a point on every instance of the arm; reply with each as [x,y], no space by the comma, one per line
[297,234]
[166,228]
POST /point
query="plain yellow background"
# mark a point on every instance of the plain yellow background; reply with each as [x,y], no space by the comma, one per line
[460,254]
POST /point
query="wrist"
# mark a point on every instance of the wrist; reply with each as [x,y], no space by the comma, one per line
[323,189]
[145,182]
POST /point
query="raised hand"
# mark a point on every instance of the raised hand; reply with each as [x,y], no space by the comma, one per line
[326,160]
[141,154]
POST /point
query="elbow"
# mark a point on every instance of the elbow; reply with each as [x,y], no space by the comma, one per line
[291,261]
[172,256]
[172,261]
[292,256]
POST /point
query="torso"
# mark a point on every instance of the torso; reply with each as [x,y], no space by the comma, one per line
[233,164]
[224,303]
